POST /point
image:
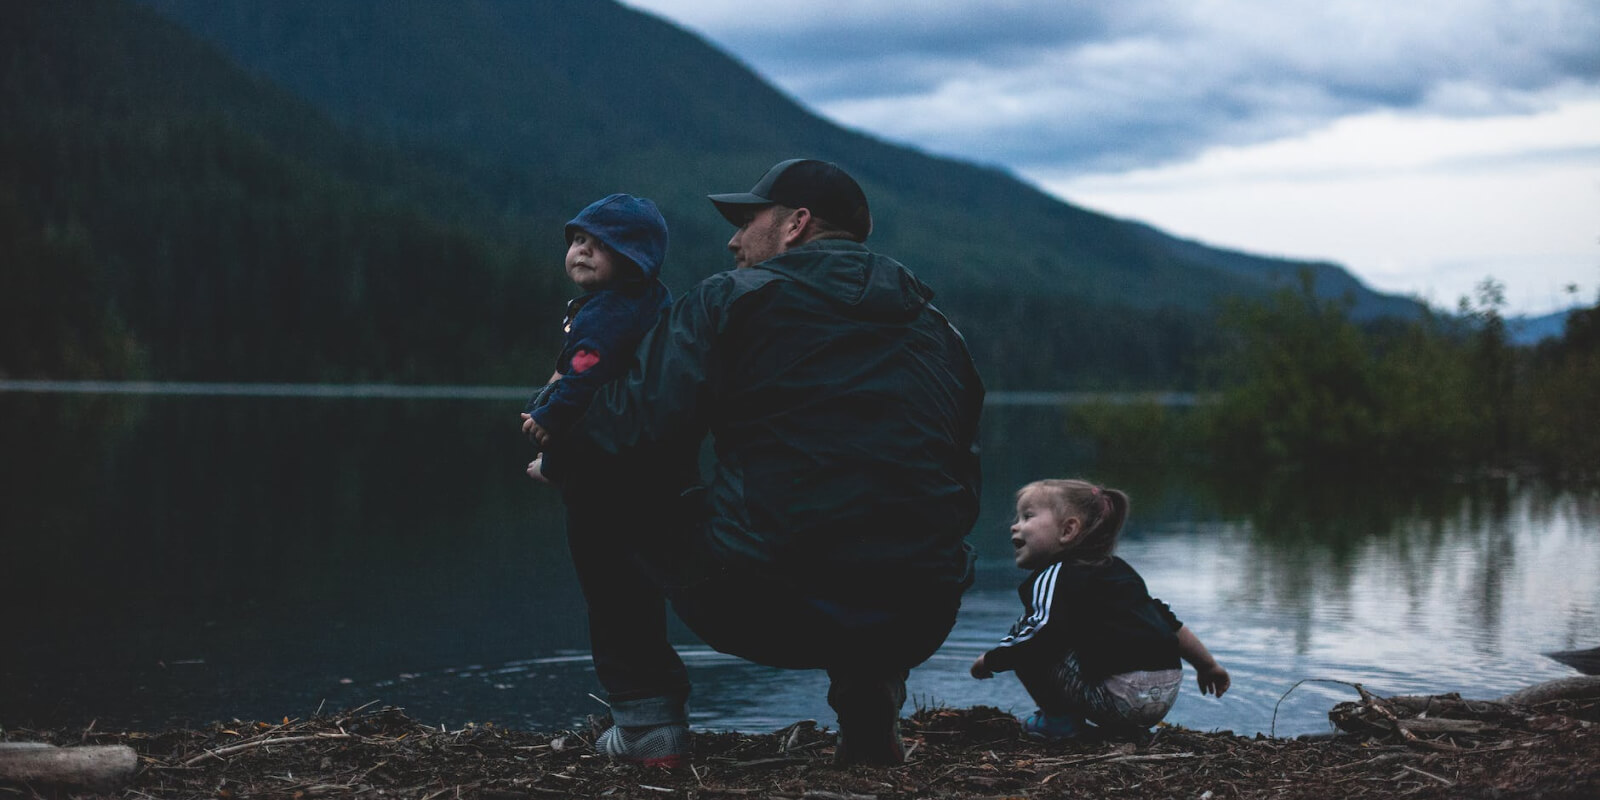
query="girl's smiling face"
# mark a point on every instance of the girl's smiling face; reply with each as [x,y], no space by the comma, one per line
[1040,535]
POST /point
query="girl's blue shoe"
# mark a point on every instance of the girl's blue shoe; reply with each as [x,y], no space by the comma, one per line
[1054,727]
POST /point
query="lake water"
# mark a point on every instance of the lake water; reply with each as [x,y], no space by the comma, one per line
[174,560]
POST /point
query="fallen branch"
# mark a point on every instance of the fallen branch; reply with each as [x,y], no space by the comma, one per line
[1425,774]
[1372,762]
[1436,725]
[1451,705]
[1371,701]
[819,794]
[1113,758]
[769,762]
[239,748]
[1273,731]
[1149,757]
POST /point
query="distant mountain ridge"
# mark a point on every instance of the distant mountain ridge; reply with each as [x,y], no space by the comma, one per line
[476,128]
[541,85]
[1527,330]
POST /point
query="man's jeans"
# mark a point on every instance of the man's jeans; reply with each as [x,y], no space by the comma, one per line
[622,575]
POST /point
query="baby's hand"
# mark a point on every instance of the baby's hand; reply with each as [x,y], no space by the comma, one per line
[1213,681]
[534,432]
[980,669]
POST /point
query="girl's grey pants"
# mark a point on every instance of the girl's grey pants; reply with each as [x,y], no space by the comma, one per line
[1126,702]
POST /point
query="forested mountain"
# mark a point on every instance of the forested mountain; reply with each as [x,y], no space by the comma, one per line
[169,215]
[374,189]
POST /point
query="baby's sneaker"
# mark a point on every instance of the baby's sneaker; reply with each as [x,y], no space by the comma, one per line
[1054,727]
[653,745]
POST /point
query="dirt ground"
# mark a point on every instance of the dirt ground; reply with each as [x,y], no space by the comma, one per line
[1432,747]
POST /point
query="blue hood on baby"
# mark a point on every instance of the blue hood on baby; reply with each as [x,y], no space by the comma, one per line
[632,226]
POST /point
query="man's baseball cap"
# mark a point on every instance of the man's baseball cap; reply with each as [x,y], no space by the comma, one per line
[818,186]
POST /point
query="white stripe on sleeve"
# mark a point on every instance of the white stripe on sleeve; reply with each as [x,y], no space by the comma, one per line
[1044,594]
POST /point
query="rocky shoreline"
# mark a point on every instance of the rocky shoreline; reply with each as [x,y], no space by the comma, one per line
[1425,747]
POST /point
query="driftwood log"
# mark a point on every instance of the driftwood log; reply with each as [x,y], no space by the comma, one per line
[1582,687]
[1447,722]
[98,768]
[1584,661]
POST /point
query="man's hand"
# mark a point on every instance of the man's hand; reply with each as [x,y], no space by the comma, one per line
[980,670]
[536,470]
[534,432]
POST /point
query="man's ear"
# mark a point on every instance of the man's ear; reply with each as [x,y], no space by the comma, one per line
[797,228]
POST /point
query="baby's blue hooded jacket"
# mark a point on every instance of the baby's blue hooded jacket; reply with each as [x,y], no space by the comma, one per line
[603,327]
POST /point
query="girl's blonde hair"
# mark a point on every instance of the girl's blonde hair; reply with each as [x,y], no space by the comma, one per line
[1103,511]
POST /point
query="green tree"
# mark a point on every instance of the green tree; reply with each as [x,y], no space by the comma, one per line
[1492,363]
[1300,386]
[1562,390]
[54,315]
[1429,414]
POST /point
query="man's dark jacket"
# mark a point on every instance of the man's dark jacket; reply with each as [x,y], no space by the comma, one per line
[843,409]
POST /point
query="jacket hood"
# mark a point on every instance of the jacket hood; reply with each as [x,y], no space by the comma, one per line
[866,285]
[631,226]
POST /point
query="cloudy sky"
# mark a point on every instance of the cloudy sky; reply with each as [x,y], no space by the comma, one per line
[1423,145]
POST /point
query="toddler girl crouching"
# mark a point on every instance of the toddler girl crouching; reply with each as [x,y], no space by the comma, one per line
[1091,645]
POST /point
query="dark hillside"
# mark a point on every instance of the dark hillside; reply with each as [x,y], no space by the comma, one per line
[373,189]
[1332,280]
[599,93]
[226,229]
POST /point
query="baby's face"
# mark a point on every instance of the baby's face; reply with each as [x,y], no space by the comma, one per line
[1037,535]
[590,264]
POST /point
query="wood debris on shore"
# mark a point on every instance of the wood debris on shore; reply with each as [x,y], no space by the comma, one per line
[1429,747]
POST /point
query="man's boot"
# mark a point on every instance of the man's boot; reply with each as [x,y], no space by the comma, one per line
[869,718]
[653,731]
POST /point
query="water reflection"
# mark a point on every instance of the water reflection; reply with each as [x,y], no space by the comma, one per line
[189,559]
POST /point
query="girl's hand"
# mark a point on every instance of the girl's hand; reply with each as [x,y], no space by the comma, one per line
[1214,680]
[536,470]
[980,670]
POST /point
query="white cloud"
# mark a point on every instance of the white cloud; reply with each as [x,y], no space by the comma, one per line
[1417,205]
[1184,75]
[1385,141]
[1416,143]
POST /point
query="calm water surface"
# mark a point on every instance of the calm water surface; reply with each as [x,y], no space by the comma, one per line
[178,560]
